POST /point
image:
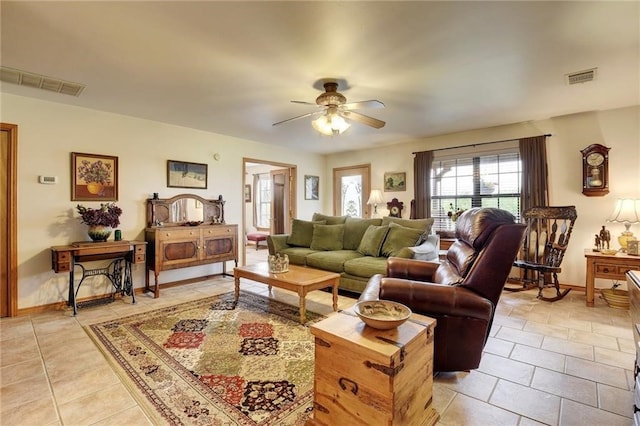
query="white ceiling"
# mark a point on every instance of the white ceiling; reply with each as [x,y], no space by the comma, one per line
[233,67]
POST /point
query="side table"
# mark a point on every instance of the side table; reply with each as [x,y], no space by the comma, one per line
[374,377]
[607,266]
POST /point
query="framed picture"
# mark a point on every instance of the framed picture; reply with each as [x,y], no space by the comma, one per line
[181,174]
[311,187]
[395,181]
[247,193]
[94,177]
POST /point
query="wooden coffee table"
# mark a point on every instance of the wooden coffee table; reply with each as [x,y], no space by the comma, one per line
[299,279]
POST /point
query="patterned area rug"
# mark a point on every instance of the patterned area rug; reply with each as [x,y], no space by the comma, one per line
[212,362]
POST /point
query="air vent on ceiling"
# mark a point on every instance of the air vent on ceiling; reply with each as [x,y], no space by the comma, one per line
[581,76]
[23,78]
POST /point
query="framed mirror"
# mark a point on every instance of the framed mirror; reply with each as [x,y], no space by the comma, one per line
[184,210]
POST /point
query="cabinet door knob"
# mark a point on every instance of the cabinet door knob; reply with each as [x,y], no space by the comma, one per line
[605,270]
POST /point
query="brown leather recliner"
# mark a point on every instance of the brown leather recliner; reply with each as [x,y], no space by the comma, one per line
[461,292]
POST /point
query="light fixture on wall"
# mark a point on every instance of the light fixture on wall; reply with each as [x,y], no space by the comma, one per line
[627,212]
[375,198]
[330,123]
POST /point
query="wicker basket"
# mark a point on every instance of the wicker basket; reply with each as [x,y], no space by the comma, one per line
[618,299]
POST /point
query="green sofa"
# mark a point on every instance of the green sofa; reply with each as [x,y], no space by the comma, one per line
[355,248]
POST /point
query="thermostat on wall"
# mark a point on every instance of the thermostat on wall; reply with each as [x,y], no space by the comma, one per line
[48,179]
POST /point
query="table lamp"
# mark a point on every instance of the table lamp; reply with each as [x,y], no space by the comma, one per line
[375,198]
[627,212]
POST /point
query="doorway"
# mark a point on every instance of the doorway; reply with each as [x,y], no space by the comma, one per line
[272,205]
[8,220]
[351,188]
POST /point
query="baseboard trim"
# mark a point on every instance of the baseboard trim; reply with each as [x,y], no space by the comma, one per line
[62,305]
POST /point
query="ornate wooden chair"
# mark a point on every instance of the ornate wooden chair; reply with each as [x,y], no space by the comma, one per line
[546,240]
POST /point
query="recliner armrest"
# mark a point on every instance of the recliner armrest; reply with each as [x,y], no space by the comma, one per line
[430,298]
[411,269]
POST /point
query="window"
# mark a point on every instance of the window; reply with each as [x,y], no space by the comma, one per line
[475,180]
[263,201]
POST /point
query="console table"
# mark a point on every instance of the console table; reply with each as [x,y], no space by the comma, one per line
[122,253]
[607,266]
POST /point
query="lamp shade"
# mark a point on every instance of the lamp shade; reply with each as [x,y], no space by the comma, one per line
[375,197]
[627,211]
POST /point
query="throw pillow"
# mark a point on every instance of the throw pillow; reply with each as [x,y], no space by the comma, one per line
[301,233]
[330,220]
[398,238]
[354,229]
[372,240]
[327,237]
[424,224]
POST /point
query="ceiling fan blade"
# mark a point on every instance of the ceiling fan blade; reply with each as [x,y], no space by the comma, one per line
[363,104]
[363,119]
[304,103]
[296,118]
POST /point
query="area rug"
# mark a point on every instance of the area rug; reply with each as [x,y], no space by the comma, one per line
[215,362]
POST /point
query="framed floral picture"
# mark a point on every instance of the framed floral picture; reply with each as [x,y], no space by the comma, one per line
[94,177]
[181,174]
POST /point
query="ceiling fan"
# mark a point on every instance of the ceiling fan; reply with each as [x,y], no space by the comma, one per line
[335,110]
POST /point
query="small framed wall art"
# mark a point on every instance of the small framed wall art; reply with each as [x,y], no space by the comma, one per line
[247,193]
[395,181]
[181,174]
[94,177]
[311,187]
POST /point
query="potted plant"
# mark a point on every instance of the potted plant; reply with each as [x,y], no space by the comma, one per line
[101,221]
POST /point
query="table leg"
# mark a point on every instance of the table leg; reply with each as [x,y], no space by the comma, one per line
[236,282]
[590,284]
[72,294]
[303,306]
[335,296]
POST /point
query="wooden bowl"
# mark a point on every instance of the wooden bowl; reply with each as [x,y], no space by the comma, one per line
[382,314]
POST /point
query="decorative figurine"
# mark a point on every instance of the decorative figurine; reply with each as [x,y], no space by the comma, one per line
[605,237]
[598,243]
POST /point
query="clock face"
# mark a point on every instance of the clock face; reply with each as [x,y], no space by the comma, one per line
[394,210]
[595,159]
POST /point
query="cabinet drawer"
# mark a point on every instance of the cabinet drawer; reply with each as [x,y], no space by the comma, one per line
[139,258]
[610,270]
[141,249]
[178,234]
[62,267]
[63,256]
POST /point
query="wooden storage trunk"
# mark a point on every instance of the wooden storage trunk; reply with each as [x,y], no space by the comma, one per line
[365,376]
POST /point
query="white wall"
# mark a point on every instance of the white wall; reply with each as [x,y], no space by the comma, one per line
[49,132]
[618,129]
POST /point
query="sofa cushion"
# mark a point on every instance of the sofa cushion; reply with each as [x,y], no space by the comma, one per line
[398,238]
[372,240]
[302,232]
[366,266]
[329,220]
[297,255]
[354,229]
[327,237]
[332,261]
[423,224]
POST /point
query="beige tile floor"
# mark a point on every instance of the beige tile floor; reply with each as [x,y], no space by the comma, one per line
[545,363]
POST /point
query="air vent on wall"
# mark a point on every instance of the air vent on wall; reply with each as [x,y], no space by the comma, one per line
[581,76]
[23,78]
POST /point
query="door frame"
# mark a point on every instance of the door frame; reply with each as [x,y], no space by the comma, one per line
[290,214]
[10,303]
[366,187]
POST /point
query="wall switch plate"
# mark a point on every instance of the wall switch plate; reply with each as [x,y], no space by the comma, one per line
[48,179]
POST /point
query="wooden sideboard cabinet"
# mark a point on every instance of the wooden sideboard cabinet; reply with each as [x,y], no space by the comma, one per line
[180,247]
[184,231]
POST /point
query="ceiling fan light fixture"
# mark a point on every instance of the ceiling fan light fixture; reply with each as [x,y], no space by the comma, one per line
[330,124]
